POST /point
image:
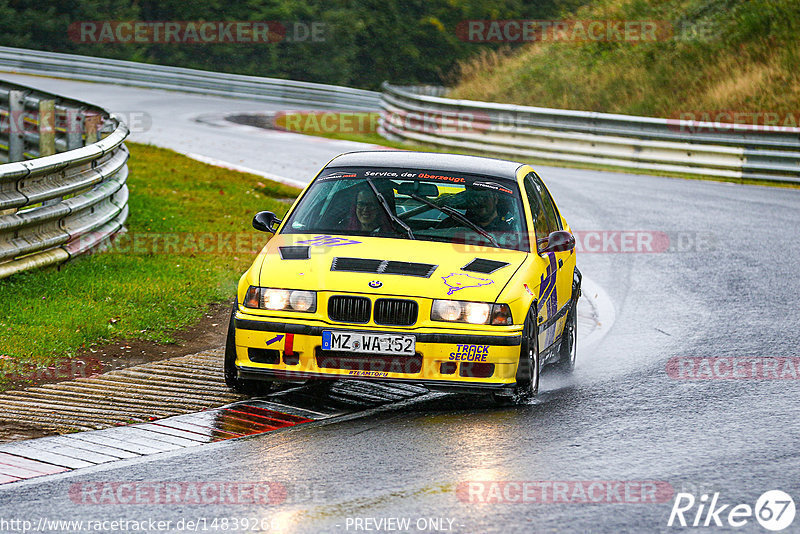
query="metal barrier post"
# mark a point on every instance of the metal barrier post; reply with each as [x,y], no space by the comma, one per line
[16,126]
[47,127]
[47,136]
[74,126]
[91,125]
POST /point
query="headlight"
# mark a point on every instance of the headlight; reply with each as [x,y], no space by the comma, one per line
[266,298]
[459,311]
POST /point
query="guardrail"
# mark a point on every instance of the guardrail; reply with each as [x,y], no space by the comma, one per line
[63,178]
[736,151]
[187,80]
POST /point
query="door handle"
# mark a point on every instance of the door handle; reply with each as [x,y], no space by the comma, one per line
[560,263]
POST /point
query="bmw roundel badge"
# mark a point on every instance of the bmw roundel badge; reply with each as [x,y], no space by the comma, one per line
[375,284]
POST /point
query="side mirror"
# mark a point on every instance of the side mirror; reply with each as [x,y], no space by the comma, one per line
[560,241]
[264,220]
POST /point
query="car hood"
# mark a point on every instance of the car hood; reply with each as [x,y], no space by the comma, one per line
[391,267]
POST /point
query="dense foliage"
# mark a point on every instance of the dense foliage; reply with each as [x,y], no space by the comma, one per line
[738,56]
[364,42]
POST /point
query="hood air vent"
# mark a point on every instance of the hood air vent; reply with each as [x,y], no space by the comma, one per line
[404,268]
[293,253]
[480,265]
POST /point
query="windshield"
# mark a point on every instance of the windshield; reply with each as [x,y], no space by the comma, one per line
[413,204]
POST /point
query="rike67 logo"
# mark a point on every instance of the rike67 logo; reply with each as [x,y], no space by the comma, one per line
[774,510]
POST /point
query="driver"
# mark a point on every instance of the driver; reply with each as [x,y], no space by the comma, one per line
[482,210]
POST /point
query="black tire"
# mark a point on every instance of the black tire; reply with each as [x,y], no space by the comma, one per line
[568,350]
[528,369]
[232,380]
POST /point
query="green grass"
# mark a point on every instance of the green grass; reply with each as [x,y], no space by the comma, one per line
[136,289]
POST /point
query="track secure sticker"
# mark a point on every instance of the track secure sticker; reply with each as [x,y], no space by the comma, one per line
[458,281]
[470,353]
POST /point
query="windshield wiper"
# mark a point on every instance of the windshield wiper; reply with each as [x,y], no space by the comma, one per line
[388,210]
[457,216]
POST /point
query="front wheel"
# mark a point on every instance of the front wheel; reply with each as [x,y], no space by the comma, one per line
[528,368]
[527,386]
[232,380]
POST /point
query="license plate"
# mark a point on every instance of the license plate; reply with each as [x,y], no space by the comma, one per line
[370,343]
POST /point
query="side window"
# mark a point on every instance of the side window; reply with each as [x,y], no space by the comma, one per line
[553,219]
[538,212]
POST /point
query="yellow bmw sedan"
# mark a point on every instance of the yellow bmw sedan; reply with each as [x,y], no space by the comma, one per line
[448,271]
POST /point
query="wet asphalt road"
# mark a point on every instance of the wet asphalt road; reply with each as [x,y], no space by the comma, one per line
[191,124]
[730,291]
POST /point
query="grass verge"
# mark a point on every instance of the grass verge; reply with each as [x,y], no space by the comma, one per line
[189,239]
[707,56]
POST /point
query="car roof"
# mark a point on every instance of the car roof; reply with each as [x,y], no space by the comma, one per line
[428,160]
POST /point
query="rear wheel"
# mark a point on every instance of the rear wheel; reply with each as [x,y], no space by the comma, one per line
[232,380]
[569,343]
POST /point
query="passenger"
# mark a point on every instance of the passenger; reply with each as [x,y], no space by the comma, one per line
[366,215]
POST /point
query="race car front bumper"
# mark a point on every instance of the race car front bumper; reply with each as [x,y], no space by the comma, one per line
[270,349]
